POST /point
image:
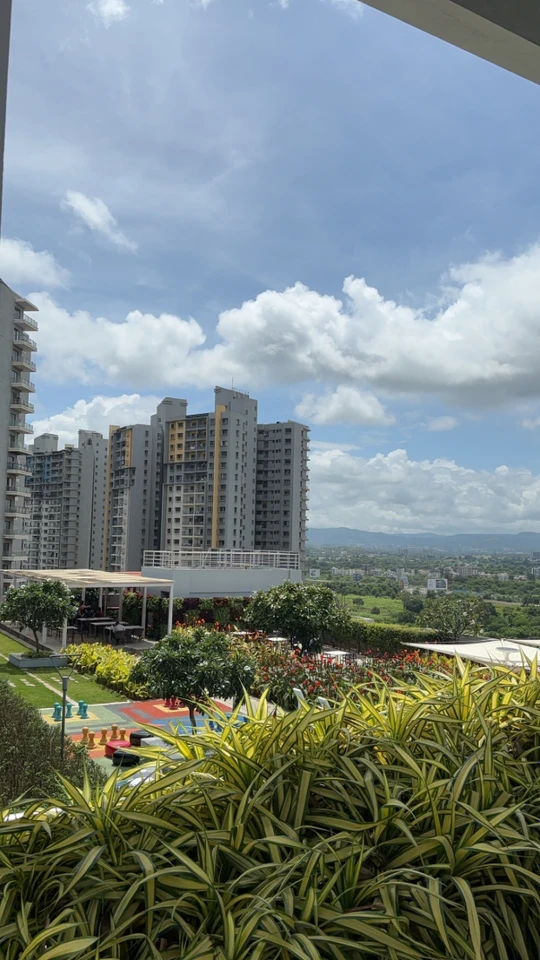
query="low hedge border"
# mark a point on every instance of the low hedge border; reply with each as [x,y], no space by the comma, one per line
[384,637]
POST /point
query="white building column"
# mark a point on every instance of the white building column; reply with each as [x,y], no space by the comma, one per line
[120,603]
[171,601]
[101,598]
[143,618]
[64,634]
[44,635]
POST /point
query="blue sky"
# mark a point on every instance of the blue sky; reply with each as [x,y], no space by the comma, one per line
[187,187]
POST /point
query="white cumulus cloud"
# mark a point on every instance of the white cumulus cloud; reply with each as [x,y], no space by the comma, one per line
[109,11]
[95,215]
[440,424]
[393,494]
[98,414]
[345,405]
[142,350]
[20,264]
[480,348]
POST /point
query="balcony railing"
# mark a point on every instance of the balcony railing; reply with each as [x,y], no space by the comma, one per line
[11,509]
[26,321]
[19,423]
[222,559]
[14,464]
[22,405]
[22,361]
[19,337]
[22,383]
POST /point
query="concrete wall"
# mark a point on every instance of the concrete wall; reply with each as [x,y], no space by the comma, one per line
[5,23]
[505,32]
[221,583]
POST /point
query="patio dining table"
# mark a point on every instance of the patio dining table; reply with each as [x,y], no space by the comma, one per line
[118,630]
[98,623]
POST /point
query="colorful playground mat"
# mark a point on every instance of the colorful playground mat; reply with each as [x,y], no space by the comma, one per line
[126,716]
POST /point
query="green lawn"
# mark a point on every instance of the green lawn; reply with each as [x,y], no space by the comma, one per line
[28,685]
[389,608]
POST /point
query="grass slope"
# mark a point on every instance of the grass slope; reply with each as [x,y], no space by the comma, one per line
[36,693]
[389,608]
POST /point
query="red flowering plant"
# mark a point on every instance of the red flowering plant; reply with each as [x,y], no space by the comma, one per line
[280,671]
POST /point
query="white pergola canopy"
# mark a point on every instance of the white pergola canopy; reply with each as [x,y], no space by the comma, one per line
[99,580]
[504,653]
[88,579]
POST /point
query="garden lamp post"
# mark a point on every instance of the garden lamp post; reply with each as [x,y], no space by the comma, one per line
[65,678]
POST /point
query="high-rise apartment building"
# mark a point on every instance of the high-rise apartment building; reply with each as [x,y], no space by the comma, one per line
[16,365]
[68,502]
[170,411]
[93,450]
[200,481]
[282,486]
[128,501]
[208,498]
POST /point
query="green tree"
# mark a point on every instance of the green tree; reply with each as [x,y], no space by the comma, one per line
[306,613]
[414,604]
[452,617]
[30,753]
[195,665]
[34,605]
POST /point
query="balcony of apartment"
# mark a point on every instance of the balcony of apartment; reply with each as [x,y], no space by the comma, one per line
[16,446]
[20,405]
[25,322]
[13,509]
[23,340]
[15,490]
[16,466]
[14,561]
[18,382]
[11,534]
[19,424]
[19,361]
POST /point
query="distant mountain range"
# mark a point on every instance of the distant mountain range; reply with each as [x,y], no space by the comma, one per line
[456,543]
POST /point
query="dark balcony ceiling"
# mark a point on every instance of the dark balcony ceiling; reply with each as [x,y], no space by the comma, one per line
[505,32]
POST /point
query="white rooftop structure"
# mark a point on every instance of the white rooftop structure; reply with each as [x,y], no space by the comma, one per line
[504,653]
[223,573]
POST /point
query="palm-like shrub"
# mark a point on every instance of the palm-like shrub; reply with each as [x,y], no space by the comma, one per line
[403,826]
[30,752]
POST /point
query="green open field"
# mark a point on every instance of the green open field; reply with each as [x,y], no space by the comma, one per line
[29,685]
[389,608]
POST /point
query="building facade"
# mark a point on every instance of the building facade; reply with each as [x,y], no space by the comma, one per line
[205,481]
[67,506]
[93,478]
[128,503]
[208,498]
[282,486]
[16,367]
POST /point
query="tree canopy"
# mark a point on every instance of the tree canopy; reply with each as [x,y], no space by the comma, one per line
[306,613]
[452,617]
[194,665]
[33,605]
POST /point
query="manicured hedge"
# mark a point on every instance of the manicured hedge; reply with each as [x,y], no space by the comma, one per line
[112,668]
[384,637]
